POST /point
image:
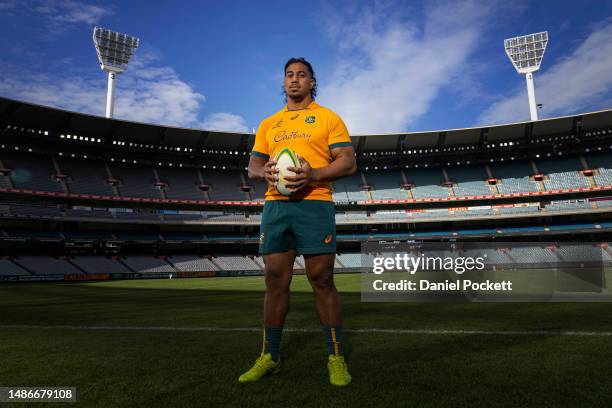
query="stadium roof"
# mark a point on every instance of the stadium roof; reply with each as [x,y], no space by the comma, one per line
[28,115]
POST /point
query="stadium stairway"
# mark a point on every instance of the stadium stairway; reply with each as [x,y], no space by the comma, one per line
[169,262]
[125,265]
[71,262]
[20,267]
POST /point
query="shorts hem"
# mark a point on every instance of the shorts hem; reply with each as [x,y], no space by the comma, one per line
[274,251]
[317,250]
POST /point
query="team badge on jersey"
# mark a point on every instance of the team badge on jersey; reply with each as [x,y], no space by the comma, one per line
[310,119]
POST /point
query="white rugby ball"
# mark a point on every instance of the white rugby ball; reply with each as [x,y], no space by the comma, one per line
[284,159]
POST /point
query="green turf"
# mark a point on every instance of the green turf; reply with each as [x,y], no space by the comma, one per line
[161,368]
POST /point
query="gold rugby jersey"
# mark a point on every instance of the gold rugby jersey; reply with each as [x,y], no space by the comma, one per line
[312,133]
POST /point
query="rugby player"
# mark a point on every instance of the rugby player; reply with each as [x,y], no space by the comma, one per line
[303,222]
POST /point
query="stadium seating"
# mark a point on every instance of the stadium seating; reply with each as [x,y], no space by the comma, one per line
[517,185]
[603,203]
[349,189]
[474,213]
[34,210]
[236,263]
[99,264]
[85,176]
[389,215]
[350,260]
[427,183]
[182,236]
[181,217]
[187,263]
[224,185]
[93,213]
[562,173]
[259,189]
[514,176]
[146,264]
[31,171]
[5,181]
[558,181]
[136,181]
[470,180]
[47,265]
[8,268]
[34,171]
[181,183]
[75,235]
[386,184]
[430,214]
[560,206]
[604,178]
[518,210]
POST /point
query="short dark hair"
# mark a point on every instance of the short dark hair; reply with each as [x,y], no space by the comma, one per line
[313,91]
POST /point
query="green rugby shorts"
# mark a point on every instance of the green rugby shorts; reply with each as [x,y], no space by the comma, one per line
[309,226]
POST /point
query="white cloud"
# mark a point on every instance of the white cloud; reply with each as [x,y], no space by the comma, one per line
[581,81]
[225,121]
[146,93]
[71,12]
[391,69]
[7,5]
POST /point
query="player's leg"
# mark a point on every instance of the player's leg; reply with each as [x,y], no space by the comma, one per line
[279,271]
[315,231]
[278,248]
[320,272]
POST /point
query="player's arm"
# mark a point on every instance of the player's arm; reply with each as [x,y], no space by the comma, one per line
[260,166]
[343,164]
[262,169]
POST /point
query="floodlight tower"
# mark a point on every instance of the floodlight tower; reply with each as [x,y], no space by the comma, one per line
[114,52]
[526,53]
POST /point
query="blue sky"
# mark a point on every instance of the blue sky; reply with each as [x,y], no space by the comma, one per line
[384,66]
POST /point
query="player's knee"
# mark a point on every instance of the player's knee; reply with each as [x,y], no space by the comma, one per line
[277,279]
[322,281]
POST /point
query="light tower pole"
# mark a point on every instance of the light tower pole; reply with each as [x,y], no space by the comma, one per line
[526,53]
[114,52]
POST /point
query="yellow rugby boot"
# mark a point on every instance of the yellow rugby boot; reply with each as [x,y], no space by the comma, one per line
[263,366]
[338,371]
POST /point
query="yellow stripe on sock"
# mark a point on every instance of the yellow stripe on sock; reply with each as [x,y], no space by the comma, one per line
[333,333]
[263,346]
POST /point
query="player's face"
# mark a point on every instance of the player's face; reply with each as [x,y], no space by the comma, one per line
[298,81]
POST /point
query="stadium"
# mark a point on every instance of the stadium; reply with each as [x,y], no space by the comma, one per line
[86,198]
[130,270]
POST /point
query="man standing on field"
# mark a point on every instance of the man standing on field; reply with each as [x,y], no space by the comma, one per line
[303,222]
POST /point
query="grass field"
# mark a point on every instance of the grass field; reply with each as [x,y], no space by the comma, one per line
[167,343]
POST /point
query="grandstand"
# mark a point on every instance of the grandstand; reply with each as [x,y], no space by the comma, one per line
[87,196]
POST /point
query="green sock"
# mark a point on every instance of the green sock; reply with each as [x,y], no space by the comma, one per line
[333,334]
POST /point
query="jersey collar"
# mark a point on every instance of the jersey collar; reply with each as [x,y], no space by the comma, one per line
[312,105]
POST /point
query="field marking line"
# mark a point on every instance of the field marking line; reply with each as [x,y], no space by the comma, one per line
[313,330]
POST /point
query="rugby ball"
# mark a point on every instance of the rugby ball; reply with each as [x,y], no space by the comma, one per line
[284,159]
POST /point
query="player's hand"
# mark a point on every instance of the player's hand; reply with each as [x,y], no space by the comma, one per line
[303,176]
[270,172]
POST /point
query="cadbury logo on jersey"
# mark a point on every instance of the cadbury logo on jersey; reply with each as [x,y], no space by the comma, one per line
[283,135]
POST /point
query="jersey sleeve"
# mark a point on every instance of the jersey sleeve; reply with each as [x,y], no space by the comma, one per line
[338,134]
[260,147]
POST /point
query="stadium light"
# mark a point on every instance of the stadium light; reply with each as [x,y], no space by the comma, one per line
[526,53]
[114,52]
